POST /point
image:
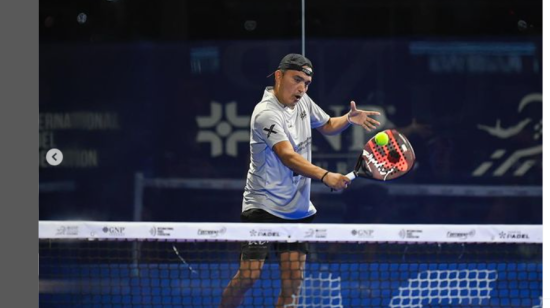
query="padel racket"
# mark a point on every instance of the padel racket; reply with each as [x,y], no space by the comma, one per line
[386,162]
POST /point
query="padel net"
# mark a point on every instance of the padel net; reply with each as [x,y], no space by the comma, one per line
[148,264]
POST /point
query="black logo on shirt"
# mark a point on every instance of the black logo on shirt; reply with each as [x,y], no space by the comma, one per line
[270,130]
[303,114]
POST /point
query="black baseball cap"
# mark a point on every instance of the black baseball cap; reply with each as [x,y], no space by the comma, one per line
[296,62]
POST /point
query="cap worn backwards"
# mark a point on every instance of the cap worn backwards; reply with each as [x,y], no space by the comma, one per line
[296,62]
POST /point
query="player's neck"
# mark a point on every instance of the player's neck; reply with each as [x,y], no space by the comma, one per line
[279,99]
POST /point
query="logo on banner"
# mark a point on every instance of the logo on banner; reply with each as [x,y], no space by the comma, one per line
[67,230]
[461,235]
[211,233]
[116,231]
[362,233]
[521,160]
[316,233]
[264,233]
[516,235]
[405,234]
[217,129]
[161,231]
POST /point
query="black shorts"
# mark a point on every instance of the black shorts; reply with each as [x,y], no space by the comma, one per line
[259,250]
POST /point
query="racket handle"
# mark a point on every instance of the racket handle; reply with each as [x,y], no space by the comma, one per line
[351,175]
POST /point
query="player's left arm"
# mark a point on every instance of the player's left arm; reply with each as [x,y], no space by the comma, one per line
[336,125]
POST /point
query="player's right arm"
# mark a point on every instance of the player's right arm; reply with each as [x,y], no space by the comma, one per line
[302,166]
[268,125]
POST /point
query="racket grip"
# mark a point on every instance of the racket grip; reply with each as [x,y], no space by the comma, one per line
[351,176]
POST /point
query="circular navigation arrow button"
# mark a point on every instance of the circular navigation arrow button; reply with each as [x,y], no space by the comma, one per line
[54,157]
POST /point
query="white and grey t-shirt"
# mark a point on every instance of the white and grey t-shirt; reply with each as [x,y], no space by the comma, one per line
[270,185]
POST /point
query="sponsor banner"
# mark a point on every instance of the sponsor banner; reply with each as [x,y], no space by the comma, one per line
[264,232]
[212,232]
[292,232]
[114,231]
[513,235]
[316,233]
[67,230]
[410,233]
[160,231]
[460,234]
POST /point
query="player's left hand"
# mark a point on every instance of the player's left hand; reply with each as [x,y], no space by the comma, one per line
[363,118]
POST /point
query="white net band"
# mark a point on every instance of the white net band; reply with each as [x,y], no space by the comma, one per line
[291,232]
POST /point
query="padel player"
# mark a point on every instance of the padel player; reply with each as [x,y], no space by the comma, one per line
[279,177]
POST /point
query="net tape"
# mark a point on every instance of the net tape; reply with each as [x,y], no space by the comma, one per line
[291,232]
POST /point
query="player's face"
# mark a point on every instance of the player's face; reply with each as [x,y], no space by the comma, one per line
[292,86]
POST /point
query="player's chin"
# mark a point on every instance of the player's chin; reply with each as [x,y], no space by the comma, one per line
[293,103]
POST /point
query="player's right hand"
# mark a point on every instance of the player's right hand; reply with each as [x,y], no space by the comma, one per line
[336,181]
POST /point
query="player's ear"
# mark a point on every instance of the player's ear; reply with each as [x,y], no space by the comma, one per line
[278,75]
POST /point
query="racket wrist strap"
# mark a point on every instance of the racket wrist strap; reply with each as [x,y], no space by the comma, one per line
[323,177]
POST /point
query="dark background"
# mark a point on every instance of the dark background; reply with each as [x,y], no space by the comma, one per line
[439,71]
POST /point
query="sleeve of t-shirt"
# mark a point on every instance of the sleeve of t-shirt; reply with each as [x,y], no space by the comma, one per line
[269,126]
[318,117]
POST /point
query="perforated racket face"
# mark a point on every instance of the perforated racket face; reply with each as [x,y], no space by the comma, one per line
[386,162]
